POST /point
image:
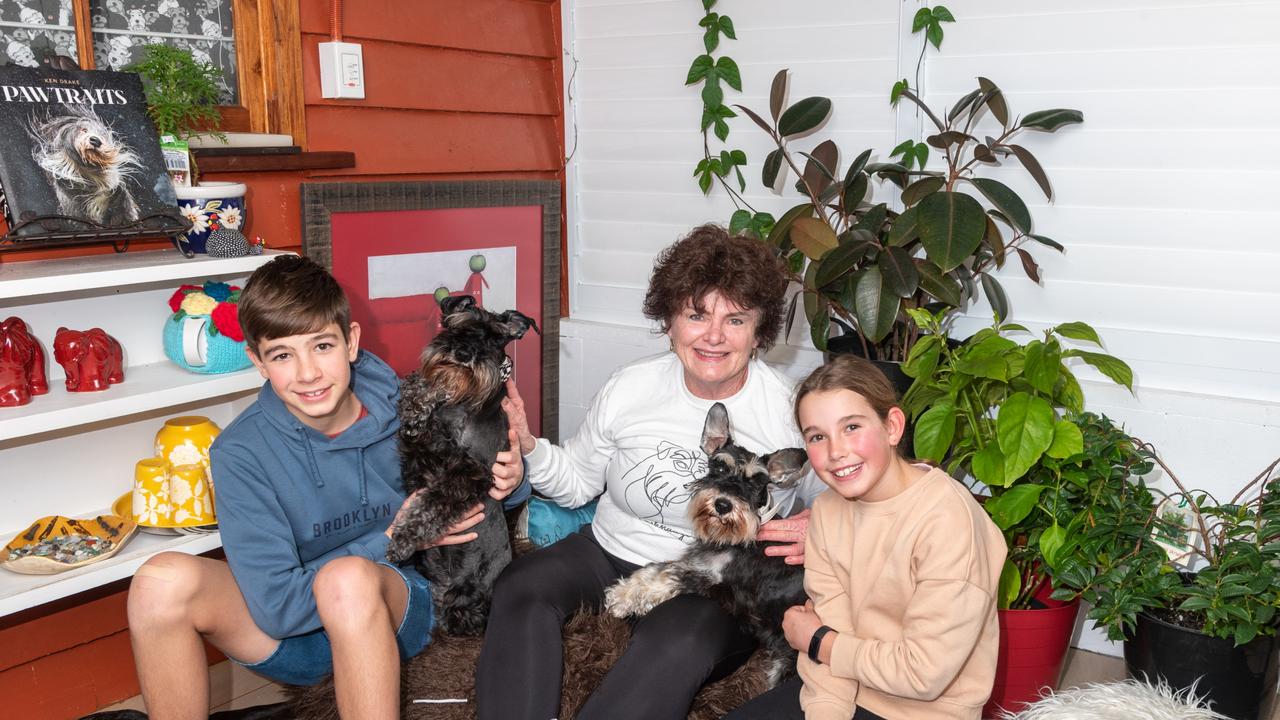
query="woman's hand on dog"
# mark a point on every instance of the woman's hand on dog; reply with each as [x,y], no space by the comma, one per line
[455,534]
[513,404]
[790,530]
[508,469]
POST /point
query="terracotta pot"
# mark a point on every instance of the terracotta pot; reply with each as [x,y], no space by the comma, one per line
[1033,644]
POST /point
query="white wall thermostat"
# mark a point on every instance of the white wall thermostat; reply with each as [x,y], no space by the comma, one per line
[341,70]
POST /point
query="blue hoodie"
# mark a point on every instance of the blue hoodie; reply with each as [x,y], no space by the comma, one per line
[289,498]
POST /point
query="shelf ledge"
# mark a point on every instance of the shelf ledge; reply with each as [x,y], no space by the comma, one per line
[323,160]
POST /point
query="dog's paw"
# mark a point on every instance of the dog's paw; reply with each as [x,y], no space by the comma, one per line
[399,548]
[647,588]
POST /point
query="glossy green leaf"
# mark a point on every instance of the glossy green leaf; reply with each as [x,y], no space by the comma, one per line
[1033,167]
[813,237]
[934,431]
[988,466]
[712,93]
[1013,505]
[780,236]
[859,163]
[844,258]
[962,104]
[1052,541]
[772,166]
[899,272]
[897,90]
[1051,120]
[1078,331]
[995,296]
[1024,426]
[934,35]
[819,326]
[756,119]
[1010,585]
[1113,367]
[916,191]
[942,287]
[995,101]
[942,14]
[876,305]
[1006,201]
[728,71]
[951,227]
[905,228]
[1042,365]
[921,20]
[1067,440]
[804,116]
[924,356]
[1046,241]
[777,94]
[726,27]
[698,70]
[739,221]
[854,192]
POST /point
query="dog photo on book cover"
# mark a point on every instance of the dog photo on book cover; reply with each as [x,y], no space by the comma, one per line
[79,147]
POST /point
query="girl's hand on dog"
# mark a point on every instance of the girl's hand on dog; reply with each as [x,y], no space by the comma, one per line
[790,530]
[513,405]
[799,624]
[508,469]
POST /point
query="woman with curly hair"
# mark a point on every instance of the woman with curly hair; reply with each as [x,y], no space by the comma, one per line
[719,299]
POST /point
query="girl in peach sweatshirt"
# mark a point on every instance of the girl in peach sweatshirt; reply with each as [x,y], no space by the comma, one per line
[901,567]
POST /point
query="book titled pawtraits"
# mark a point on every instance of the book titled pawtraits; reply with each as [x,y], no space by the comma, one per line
[79,148]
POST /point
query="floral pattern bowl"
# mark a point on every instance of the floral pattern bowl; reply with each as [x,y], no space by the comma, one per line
[210,206]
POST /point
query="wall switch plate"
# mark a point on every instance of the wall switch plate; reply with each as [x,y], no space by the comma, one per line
[341,70]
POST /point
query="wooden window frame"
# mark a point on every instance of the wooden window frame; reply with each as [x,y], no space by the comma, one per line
[268,66]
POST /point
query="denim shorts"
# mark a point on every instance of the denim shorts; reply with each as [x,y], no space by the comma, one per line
[308,659]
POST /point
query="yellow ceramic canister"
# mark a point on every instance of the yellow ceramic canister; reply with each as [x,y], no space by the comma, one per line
[151,506]
[189,496]
[185,440]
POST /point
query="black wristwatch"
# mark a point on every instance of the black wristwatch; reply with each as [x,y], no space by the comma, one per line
[815,643]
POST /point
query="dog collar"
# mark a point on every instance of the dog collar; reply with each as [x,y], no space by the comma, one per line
[504,370]
[770,508]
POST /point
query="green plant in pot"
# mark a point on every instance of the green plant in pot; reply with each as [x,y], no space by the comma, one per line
[863,264]
[1195,594]
[1011,416]
[182,97]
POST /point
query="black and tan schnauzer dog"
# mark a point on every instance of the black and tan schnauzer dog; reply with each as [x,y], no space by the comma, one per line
[726,563]
[451,428]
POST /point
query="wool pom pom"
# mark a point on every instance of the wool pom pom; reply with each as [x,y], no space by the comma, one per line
[175,300]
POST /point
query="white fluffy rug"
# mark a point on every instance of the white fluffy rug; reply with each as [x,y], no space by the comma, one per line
[1123,700]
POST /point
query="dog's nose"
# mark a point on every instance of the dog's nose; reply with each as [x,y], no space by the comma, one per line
[723,506]
[94,141]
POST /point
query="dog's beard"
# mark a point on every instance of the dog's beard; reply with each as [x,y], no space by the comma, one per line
[736,527]
[460,384]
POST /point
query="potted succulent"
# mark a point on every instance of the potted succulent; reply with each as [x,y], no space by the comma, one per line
[182,97]
[1193,590]
[1012,416]
[863,264]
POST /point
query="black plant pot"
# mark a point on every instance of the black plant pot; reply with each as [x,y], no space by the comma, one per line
[1237,679]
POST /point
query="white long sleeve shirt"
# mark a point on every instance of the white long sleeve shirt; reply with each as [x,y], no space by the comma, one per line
[640,445]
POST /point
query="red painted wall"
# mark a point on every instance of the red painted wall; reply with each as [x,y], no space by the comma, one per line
[459,89]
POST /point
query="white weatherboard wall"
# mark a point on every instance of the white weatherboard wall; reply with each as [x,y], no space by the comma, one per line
[1163,197]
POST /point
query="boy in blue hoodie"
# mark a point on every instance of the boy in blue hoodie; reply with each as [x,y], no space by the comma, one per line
[307,482]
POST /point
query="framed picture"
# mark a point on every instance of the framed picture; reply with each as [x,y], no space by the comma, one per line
[396,247]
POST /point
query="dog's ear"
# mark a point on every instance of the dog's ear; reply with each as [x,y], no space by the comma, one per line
[785,466]
[715,432]
[517,324]
[451,304]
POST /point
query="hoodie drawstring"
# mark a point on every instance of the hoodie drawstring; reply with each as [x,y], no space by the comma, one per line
[364,485]
[311,457]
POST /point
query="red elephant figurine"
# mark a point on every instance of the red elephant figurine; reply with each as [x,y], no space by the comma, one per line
[22,373]
[92,359]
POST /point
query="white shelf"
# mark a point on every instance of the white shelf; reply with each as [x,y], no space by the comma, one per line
[19,592]
[41,277]
[145,387]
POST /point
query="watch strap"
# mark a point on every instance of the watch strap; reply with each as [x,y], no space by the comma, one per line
[815,643]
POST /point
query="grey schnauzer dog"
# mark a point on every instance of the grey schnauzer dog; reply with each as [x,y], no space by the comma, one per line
[726,563]
[451,428]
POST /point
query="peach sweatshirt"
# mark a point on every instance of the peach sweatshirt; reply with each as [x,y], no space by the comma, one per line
[909,585]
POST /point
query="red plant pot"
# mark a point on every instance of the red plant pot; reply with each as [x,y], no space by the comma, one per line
[1033,644]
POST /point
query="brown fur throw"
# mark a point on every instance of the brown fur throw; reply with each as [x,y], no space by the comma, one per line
[592,643]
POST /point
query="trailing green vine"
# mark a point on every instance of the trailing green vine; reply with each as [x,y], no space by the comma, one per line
[930,21]
[715,73]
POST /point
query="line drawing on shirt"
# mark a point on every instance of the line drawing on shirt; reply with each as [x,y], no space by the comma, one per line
[656,489]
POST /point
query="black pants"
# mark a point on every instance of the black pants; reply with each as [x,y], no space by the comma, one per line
[677,648]
[783,703]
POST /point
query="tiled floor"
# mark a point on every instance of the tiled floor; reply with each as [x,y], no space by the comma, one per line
[230,687]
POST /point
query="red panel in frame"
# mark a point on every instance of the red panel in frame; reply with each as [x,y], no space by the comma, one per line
[391,264]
